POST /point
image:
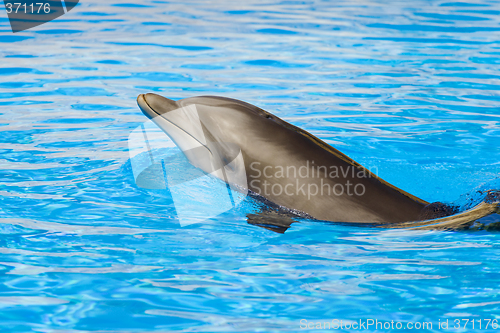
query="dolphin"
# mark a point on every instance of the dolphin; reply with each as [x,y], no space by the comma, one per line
[286,165]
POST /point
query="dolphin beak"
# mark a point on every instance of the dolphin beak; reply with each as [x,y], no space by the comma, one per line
[144,106]
[181,124]
[153,105]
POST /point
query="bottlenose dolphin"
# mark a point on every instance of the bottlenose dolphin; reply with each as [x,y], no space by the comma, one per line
[287,165]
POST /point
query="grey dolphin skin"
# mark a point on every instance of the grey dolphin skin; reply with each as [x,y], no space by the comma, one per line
[292,168]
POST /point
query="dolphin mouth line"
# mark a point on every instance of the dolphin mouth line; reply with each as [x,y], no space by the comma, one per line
[174,124]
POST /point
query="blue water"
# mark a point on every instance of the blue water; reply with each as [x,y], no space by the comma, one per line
[410,89]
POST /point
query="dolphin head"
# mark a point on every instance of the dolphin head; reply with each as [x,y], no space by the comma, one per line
[220,119]
[208,120]
[214,133]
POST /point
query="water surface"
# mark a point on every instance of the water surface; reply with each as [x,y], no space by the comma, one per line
[408,89]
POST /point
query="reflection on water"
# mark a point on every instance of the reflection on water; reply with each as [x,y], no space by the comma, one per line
[407,88]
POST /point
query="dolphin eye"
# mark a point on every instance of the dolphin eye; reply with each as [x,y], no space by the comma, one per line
[268,116]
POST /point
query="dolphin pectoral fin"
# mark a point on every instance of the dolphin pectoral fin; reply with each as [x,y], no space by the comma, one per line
[271,220]
[462,221]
